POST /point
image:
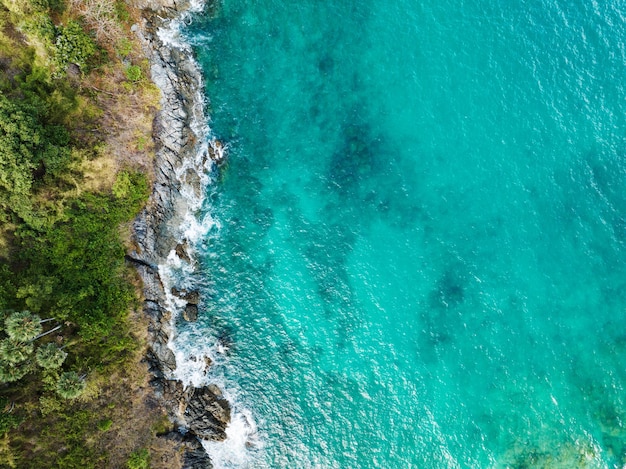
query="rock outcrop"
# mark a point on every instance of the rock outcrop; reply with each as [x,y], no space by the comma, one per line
[194,456]
[201,413]
[190,313]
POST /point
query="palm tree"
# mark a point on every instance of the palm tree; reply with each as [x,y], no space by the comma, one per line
[12,351]
[70,385]
[10,373]
[50,356]
[23,326]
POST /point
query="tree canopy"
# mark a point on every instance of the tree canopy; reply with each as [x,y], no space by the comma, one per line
[50,356]
[70,385]
[13,352]
[29,149]
[23,326]
[11,373]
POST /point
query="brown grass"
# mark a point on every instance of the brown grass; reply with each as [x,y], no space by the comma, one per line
[100,17]
[136,415]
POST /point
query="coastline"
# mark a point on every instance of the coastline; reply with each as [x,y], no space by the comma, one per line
[182,160]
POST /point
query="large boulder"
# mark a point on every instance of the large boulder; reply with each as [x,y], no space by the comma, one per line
[207,413]
[191,313]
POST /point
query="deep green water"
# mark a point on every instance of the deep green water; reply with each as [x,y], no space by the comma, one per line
[421,258]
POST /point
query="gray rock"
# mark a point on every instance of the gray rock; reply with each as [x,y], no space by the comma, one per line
[191,313]
[157,231]
[194,456]
[181,251]
[192,297]
[207,413]
[203,411]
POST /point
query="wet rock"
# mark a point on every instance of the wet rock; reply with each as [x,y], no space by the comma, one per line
[224,340]
[215,390]
[191,313]
[181,251]
[192,297]
[202,412]
[207,413]
[217,152]
[208,362]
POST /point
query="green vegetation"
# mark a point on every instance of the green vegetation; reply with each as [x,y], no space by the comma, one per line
[139,460]
[30,150]
[133,73]
[8,420]
[13,352]
[105,425]
[23,326]
[70,385]
[73,46]
[66,199]
[50,357]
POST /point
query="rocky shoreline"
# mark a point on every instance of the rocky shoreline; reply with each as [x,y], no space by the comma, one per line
[198,413]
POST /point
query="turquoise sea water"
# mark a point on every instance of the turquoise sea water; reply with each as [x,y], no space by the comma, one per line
[421,258]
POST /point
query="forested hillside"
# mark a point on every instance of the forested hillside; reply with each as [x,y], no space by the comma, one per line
[75,142]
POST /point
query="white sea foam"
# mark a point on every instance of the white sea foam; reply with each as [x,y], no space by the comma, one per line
[172,35]
[241,443]
[192,346]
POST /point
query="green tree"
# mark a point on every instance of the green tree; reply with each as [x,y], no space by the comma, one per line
[11,373]
[84,255]
[13,352]
[70,385]
[29,150]
[20,139]
[50,356]
[23,326]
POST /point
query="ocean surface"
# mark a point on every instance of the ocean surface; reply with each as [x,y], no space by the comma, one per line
[415,255]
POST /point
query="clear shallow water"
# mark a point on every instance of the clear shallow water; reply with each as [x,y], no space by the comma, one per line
[421,254]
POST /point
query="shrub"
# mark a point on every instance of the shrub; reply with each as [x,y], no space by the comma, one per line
[40,25]
[73,46]
[122,11]
[131,188]
[139,459]
[124,47]
[29,148]
[133,73]
[49,405]
[104,425]
[8,420]
[83,257]
[21,137]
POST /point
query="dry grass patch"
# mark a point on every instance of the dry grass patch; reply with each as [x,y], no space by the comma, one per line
[99,173]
